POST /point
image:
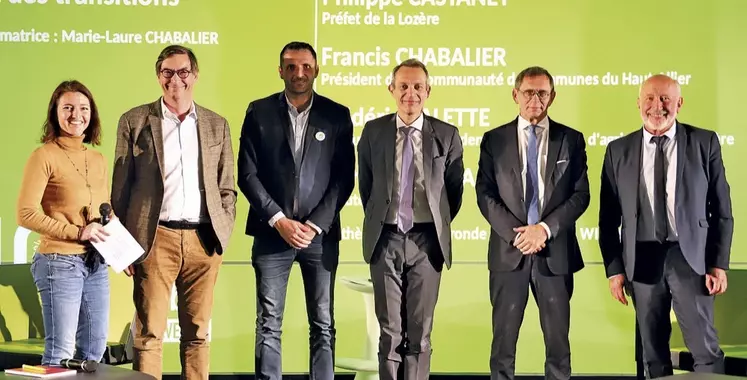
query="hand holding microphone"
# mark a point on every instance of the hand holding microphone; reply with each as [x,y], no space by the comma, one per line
[105,210]
[95,231]
[80,365]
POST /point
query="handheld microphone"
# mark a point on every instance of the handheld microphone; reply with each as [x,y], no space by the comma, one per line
[81,365]
[105,210]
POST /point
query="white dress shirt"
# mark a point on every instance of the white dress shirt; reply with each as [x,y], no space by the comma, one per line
[543,137]
[647,167]
[182,187]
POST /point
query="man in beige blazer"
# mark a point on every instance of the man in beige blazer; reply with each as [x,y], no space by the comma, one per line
[173,189]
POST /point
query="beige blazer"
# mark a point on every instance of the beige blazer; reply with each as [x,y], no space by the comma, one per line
[138,185]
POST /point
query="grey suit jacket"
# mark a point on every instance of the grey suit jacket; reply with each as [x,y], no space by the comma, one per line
[443,170]
[138,184]
[702,202]
[500,196]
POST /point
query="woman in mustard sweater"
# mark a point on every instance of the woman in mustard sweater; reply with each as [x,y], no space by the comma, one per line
[64,182]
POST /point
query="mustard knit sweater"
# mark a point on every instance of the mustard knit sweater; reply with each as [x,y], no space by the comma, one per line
[69,182]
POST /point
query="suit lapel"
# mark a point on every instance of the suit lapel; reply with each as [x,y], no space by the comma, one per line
[511,149]
[682,139]
[156,130]
[314,126]
[554,143]
[630,170]
[285,123]
[389,137]
[205,138]
[514,165]
[428,137]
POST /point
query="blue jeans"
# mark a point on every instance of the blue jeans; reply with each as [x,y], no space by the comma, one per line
[75,307]
[318,267]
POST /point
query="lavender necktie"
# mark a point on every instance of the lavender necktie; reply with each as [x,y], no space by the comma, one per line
[407,175]
[532,182]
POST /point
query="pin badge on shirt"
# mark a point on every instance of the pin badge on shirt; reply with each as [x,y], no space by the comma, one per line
[320,136]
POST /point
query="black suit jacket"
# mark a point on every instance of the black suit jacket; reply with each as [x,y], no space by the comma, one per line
[500,196]
[702,201]
[443,170]
[267,172]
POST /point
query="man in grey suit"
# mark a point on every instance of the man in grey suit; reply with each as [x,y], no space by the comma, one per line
[410,177]
[531,187]
[666,184]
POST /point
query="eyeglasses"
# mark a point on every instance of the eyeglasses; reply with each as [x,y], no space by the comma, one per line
[182,73]
[529,94]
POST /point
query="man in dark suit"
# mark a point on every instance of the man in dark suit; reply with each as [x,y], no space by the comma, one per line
[410,178]
[532,187]
[667,185]
[297,169]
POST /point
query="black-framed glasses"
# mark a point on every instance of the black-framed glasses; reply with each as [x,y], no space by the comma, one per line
[181,73]
[529,94]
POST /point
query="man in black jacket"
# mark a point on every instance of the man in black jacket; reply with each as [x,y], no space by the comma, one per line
[296,168]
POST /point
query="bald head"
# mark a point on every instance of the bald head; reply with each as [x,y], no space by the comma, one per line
[659,102]
[659,80]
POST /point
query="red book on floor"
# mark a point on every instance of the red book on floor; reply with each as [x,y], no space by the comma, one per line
[41,371]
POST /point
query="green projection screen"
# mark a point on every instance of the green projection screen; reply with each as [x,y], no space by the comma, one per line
[598,52]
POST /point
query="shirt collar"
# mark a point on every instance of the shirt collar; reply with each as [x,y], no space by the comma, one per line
[669,133]
[293,110]
[167,114]
[544,123]
[417,124]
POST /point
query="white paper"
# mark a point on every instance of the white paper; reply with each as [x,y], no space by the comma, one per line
[119,249]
